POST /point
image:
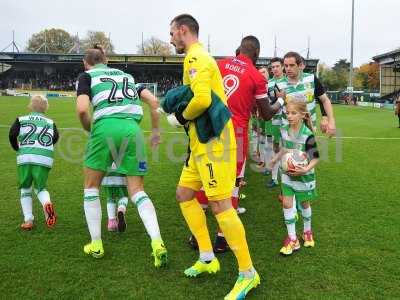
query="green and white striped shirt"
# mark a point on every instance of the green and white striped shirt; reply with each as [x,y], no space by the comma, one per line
[35,140]
[281,83]
[303,91]
[297,141]
[113,93]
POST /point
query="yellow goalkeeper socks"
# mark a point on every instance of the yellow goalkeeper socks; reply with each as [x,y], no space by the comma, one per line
[196,220]
[235,236]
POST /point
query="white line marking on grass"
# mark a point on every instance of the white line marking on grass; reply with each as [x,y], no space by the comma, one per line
[319,136]
[359,137]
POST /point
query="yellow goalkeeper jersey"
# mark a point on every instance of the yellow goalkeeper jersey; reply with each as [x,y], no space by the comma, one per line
[201,72]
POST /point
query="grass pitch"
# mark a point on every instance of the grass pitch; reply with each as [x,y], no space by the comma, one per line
[355,222]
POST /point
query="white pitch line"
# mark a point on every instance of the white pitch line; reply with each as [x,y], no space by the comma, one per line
[319,136]
[360,137]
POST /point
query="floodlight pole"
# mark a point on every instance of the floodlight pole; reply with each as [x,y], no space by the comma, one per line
[142,44]
[13,44]
[351,52]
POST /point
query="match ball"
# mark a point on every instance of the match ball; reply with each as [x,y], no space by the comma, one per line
[292,159]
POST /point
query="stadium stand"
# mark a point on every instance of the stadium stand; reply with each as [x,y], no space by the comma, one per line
[58,72]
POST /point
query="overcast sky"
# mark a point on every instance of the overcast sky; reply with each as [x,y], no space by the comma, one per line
[326,22]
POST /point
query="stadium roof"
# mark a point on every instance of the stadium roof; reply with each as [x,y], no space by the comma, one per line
[14,57]
[388,57]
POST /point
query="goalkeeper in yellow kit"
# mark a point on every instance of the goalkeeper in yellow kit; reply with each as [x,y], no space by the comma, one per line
[210,165]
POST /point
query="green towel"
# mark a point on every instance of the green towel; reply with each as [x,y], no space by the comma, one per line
[208,125]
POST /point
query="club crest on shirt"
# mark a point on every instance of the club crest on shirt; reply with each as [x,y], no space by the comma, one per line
[192,72]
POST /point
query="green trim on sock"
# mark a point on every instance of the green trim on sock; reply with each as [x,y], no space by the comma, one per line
[290,221]
[141,200]
[90,198]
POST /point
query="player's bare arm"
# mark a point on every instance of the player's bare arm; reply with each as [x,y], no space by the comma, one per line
[267,110]
[277,157]
[331,125]
[82,110]
[147,97]
[302,170]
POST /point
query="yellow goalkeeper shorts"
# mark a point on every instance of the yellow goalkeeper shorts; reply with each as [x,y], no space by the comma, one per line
[215,172]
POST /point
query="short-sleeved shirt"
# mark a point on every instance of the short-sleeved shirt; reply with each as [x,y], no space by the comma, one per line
[84,81]
[308,89]
[112,93]
[243,83]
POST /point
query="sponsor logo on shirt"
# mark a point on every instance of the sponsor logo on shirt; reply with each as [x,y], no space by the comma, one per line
[212,184]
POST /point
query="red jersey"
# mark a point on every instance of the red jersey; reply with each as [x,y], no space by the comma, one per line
[243,83]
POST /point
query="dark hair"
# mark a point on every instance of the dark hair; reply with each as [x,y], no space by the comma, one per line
[95,55]
[277,59]
[295,55]
[237,51]
[189,21]
[249,45]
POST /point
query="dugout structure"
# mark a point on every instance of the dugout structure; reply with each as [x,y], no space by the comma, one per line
[59,71]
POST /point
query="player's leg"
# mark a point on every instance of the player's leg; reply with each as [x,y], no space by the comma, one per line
[40,175]
[134,165]
[25,186]
[234,232]
[253,138]
[148,216]
[122,197]
[261,150]
[304,198]
[308,237]
[104,139]
[275,169]
[112,224]
[275,130]
[220,244]
[242,144]
[92,207]
[268,146]
[221,169]
[195,218]
[203,200]
[291,243]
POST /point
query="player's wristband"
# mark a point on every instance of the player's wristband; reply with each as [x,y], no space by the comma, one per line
[281,101]
[180,118]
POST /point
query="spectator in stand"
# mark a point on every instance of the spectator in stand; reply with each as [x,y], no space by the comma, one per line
[397,107]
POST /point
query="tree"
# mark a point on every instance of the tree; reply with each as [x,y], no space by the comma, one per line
[50,41]
[333,79]
[100,38]
[154,46]
[341,65]
[368,75]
